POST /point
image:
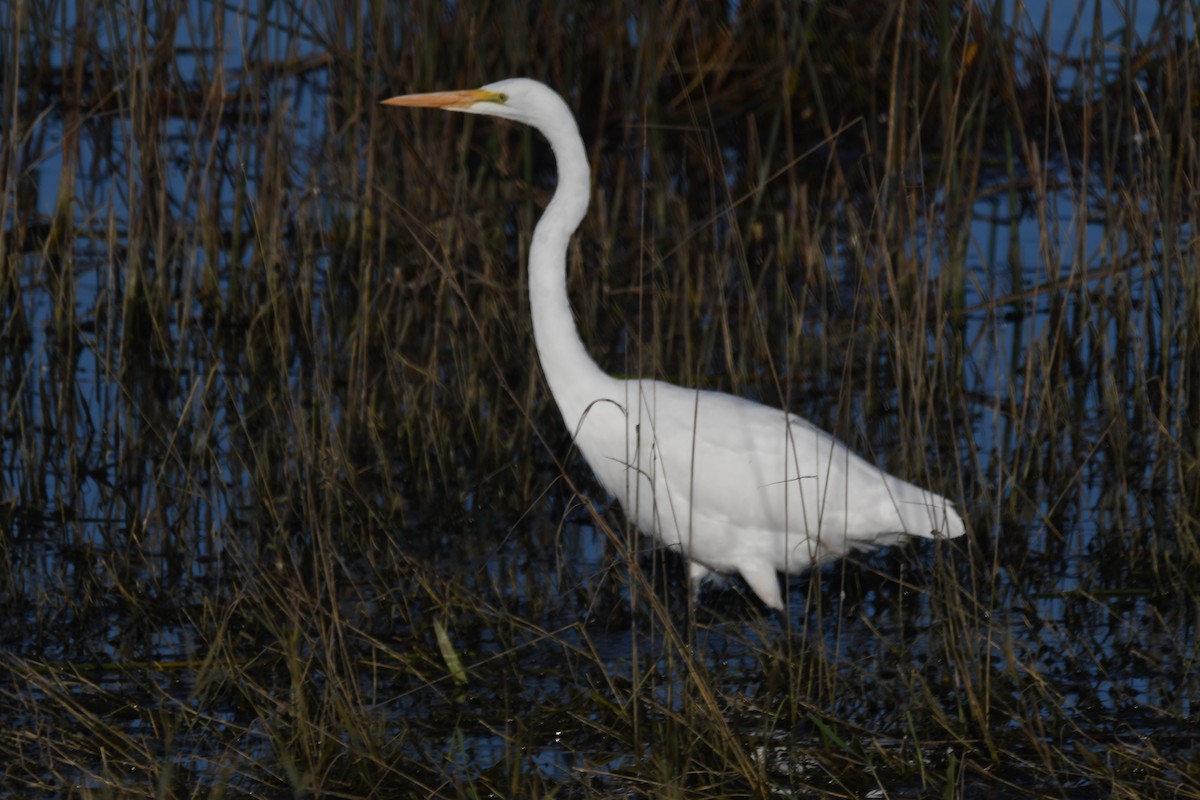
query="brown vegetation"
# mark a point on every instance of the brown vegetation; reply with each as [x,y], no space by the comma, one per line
[285,507]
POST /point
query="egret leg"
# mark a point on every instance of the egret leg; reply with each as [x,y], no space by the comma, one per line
[764,581]
[697,572]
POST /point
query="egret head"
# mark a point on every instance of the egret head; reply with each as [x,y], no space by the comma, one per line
[519,99]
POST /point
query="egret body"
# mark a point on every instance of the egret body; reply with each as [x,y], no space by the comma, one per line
[733,485]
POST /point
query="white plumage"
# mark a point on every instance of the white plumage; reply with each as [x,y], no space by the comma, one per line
[734,485]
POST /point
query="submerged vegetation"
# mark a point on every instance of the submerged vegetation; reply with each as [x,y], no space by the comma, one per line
[286,508]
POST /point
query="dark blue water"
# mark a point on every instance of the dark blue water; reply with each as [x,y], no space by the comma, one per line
[1064,563]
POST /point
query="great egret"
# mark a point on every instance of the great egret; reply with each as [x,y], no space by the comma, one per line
[733,485]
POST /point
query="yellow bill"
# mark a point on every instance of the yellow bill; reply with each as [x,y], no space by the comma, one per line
[459,100]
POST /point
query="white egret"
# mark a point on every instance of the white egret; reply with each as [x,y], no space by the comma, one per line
[733,485]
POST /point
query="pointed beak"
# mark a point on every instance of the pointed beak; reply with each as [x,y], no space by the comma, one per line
[456,101]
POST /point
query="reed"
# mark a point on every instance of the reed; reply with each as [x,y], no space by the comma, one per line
[285,505]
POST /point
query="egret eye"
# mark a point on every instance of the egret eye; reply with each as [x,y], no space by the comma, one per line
[501,98]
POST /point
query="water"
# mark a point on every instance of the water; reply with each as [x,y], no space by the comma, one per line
[225,548]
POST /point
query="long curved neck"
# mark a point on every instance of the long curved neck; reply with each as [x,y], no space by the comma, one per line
[573,376]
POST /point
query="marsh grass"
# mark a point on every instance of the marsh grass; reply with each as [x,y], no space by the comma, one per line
[287,508]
